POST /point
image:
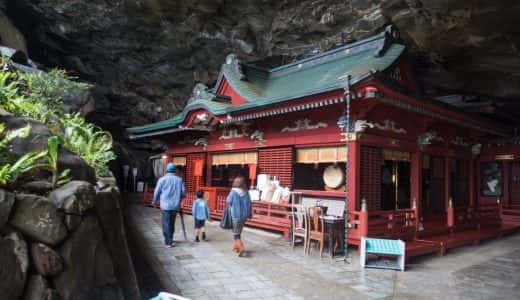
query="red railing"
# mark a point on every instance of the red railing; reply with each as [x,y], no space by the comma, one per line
[187,202]
[489,214]
[216,197]
[401,224]
[272,216]
[357,223]
[148,195]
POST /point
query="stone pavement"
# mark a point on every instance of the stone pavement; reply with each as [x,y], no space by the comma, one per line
[272,270]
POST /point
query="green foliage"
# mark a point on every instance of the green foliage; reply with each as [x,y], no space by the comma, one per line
[49,88]
[12,168]
[7,137]
[52,157]
[51,162]
[89,142]
[40,96]
[64,177]
[13,100]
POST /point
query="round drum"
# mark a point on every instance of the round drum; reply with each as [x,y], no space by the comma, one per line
[333,177]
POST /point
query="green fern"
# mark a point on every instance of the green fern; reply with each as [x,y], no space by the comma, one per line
[39,96]
[89,142]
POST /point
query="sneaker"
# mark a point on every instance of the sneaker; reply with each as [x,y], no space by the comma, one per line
[197,239]
[203,236]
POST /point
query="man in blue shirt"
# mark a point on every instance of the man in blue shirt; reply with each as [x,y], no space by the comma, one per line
[170,189]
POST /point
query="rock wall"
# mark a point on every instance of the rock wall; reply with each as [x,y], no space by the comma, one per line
[66,244]
[145,56]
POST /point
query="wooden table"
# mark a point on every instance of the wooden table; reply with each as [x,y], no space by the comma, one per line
[334,225]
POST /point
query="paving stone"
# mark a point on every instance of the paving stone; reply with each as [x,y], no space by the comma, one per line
[274,271]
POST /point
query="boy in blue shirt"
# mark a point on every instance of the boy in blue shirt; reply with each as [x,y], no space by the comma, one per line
[200,213]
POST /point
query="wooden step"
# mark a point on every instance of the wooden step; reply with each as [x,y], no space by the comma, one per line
[433,231]
[513,212]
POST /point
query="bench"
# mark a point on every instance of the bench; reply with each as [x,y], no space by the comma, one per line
[383,247]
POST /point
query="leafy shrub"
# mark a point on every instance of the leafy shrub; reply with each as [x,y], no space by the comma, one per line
[51,162]
[49,88]
[11,168]
[12,100]
[40,96]
[89,142]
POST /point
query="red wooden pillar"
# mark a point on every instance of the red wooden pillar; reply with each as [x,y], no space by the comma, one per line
[354,153]
[447,181]
[471,183]
[450,214]
[209,162]
[506,201]
[363,221]
[416,180]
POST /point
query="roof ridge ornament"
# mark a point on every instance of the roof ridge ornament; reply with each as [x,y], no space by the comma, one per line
[236,65]
[392,35]
[200,91]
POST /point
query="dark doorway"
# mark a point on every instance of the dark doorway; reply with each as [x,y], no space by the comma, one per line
[395,185]
[433,186]
[515,184]
[459,182]
[223,175]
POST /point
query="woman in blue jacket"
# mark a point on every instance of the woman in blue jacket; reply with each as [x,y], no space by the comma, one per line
[241,210]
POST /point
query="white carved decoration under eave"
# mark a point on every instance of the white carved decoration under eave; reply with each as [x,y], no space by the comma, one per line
[475,149]
[459,141]
[361,125]
[304,124]
[203,142]
[258,137]
[427,137]
[202,118]
[233,133]
[386,125]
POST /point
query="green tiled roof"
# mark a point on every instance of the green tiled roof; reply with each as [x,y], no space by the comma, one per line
[314,75]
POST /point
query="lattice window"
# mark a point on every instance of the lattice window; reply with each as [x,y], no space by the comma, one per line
[193,183]
[370,185]
[277,162]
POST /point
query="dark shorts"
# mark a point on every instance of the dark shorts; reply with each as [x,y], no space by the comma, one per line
[199,223]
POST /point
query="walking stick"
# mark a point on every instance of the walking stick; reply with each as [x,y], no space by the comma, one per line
[183,227]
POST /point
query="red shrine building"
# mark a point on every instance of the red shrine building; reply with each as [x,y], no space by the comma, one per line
[407,167]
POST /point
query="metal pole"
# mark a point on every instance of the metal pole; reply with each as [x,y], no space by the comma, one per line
[347,132]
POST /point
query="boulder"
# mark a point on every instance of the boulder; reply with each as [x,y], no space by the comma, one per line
[75,199]
[38,218]
[106,182]
[39,187]
[89,272]
[79,170]
[46,261]
[110,216]
[36,141]
[10,35]
[14,263]
[6,204]
[38,289]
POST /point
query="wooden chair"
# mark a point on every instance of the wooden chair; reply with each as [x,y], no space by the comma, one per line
[299,225]
[316,227]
